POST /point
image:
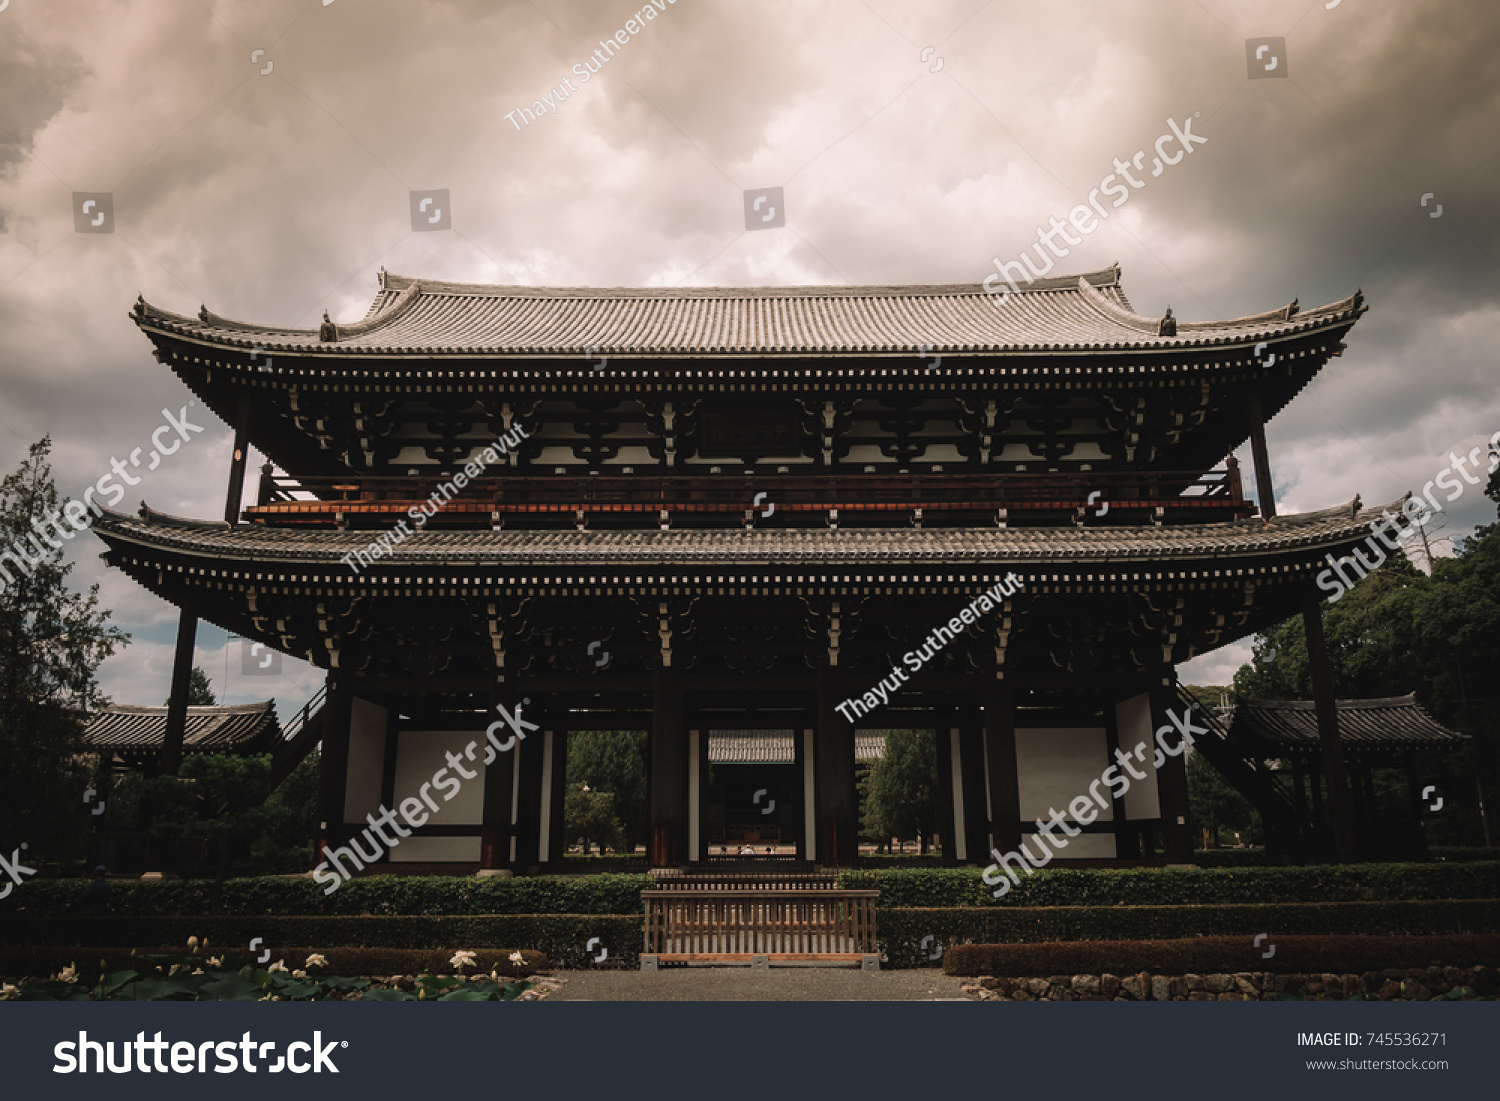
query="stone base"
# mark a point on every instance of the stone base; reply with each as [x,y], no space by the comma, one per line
[649,963]
[485,873]
[760,963]
[869,963]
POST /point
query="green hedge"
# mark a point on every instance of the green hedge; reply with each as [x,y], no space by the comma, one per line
[1182,887]
[376,894]
[562,938]
[348,962]
[1223,955]
[902,931]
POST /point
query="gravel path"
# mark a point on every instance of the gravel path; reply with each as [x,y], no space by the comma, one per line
[740,984]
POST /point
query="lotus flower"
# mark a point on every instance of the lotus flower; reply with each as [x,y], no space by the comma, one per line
[461,959]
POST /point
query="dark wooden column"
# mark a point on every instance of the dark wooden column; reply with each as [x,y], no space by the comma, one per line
[236,488]
[528,753]
[170,759]
[1000,753]
[1264,489]
[971,758]
[1171,778]
[556,845]
[333,765]
[1128,835]
[669,779]
[802,745]
[700,810]
[1340,805]
[838,796]
[499,783]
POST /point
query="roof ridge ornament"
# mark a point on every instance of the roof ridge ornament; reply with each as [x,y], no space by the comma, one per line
[203,314]
[328,332]
[1291,310]
[1167,326]
[140,305]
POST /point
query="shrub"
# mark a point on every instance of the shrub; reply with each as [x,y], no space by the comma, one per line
[902,931]
[562,938]
[376,894]
[901,887]
[1216,955]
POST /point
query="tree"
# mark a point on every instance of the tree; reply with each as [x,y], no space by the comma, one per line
[221,799]
[1216,806]
[52,641]
[589,817]
[611,761]
[200,690]
[903,789]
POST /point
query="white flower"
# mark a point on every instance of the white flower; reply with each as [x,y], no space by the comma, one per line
[8,991]
[68,974]
[516,957]
[199,971]
[215,961]
[299,974]
[279,965]
[461,959]
[316,960]
[193,943]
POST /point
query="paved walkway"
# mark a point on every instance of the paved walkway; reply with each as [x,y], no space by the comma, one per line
[740,984]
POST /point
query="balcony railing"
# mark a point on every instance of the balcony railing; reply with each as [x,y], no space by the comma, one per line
[764,500]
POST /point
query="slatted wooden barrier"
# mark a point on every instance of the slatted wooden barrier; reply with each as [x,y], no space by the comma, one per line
[732,925]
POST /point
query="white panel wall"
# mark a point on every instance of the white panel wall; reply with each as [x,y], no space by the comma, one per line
[1133,721]
[420,755]
[1086,846]
[425,850]
[366,760]
[1054,766]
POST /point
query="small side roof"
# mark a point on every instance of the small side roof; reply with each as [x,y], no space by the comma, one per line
[239,728]
[1389,723]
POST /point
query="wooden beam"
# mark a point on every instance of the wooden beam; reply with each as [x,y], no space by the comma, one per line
[669,780]
[170,759]
[1000,762]
[1264,489]
[236,488]
[838,797]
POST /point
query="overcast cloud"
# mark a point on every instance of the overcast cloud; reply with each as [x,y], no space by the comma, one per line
[274,197]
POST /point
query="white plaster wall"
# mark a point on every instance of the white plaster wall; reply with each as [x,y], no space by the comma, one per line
[1054,766]
[420,755]
[423,850]
[1086,846]
[366,760]
[1133,721]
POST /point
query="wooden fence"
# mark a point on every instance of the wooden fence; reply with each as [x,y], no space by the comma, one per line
[733,924]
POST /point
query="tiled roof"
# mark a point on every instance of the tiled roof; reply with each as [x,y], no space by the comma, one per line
[1397,722]
[241,728]
[770,547]
[775,747]
[427,317]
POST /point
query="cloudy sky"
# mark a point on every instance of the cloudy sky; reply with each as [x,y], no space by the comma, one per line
[260,154]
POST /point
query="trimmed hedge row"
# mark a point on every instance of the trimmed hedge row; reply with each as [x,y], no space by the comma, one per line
[345,962]
[902,931]
[562,938]
[607,893]
[1222,955]
[1256,858]
[1181,887]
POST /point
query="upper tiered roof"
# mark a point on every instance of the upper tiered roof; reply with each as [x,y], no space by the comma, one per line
[1076,313]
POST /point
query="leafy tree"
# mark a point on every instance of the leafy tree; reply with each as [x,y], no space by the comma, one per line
[612,761]
[589,817]
[1216,806]
[903,787]
[200,690]
[220,799]
[52,641]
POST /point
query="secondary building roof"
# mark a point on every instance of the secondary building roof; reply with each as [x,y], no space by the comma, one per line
[776,747]
[1291,726]
[241,728]
[422,317]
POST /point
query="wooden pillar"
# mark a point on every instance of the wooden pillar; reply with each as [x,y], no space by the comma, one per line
[532,757]
[1000,766]
[1264,488]
[838,796]
[170,759]
[669,779]
[1171,778]
[333,766]
[807,793]
[950,794]
[499,784]
[552,846]
[236,488]
[1340,807]
[699,792]
[975,819]
[1128,836]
